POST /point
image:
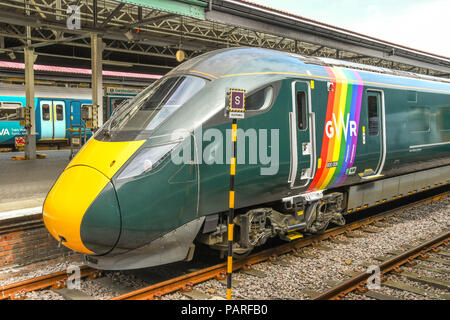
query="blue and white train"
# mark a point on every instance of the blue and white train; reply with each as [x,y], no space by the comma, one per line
[56,109]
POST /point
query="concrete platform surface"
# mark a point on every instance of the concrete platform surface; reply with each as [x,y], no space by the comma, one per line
[12,214]
[25,183]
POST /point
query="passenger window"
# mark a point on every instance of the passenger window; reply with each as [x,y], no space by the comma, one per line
[59,112]
[259,100]
[8,111]
[444,119]
[45,112]
[372,105]
[419,119]
[301,110]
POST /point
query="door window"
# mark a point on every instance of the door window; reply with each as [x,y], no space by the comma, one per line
[301,110]
[45,112]
[59,112]
[374,120]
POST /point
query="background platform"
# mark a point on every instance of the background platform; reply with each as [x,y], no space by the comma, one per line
[25,183]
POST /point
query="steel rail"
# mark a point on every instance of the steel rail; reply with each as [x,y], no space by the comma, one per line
[186,282]
[17,291]
[358,281]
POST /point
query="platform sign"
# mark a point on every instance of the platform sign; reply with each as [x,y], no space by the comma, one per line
[76,140]
[236,107]
[19,141]
[236,110]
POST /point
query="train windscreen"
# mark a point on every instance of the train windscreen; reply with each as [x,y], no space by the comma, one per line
[155,104]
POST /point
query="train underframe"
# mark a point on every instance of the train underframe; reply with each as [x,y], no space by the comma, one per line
[285,220]
[311,213]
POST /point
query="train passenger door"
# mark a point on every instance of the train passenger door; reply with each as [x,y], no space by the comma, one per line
[301,130]
[374,135]
[59,120]
[53,122]
[46,107]
[75,113]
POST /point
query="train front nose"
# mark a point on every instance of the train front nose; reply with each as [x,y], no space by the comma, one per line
[82,212]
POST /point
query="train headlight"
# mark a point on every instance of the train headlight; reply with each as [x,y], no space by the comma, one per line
[146,160]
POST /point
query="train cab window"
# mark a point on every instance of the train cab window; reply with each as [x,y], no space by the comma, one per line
[419,119]
[443,119]
[157,103]
[59,112]
[8,111]
[301,110]
[374,123]
[45,112]
[259,100]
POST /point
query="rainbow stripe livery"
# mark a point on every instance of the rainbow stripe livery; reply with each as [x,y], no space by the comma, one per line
[340,137]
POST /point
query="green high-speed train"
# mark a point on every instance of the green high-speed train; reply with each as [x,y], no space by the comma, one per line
[320,139]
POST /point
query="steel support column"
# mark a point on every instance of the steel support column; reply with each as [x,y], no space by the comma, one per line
[30,143]
[97,81]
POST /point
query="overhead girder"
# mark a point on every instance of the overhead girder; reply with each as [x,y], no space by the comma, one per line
[112,14]
[348,45]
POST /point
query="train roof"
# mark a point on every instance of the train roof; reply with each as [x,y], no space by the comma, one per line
[245,61]
[46,92]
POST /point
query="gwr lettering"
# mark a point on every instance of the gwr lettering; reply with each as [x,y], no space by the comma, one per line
[330,130]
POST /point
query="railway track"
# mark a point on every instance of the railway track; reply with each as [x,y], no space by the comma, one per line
[186,282]
[393,265]
[57,280]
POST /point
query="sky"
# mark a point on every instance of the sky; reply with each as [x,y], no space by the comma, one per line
[418,24]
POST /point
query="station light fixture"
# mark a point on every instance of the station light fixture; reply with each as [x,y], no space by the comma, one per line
[180,55]
[11,55]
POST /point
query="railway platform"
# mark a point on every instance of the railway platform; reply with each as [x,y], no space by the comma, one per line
[24,184]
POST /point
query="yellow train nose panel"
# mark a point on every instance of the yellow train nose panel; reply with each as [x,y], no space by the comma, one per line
[68,200]
[106,157]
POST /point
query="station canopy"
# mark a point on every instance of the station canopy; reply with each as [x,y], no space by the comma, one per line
[145,35]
